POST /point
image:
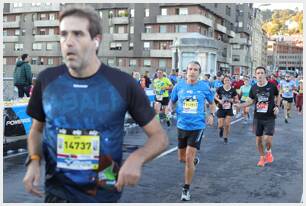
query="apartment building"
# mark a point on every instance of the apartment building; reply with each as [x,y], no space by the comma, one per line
[138,36]
[31,28]
[241,44]
[285,55]
[259,42]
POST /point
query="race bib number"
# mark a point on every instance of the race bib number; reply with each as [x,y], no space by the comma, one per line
[262,107]
[190,106]
[78,149]
[286,89]
[226,105]
[159,97]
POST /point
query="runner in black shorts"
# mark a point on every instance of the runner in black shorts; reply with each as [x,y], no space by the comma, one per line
[225,96]
[264,95]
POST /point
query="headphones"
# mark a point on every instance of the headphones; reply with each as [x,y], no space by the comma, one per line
[97,43]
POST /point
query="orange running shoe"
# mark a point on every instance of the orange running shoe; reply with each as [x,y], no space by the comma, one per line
[261,162]
[269,157]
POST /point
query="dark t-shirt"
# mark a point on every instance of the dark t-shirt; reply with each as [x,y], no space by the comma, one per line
[264,100]
[98,104]
[227,97]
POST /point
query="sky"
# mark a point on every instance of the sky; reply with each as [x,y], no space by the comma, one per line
[273,6]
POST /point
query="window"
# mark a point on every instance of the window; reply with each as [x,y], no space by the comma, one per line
[131,29]
[34,60]
[132,63]
[18,47]
[147,63]
[240,24]
[236,58]
[163,29]
[122,13]
[51,17]
[17,32]
[4,32]
[4,60]
[36,46]
[131,46]
[164,11]
[4,18]
[42,32]
[50,61]
[101,14]
[147,12]
[111,29]
[110,14]
[34,17]
[216,5]
[51,31]
[146,45]
[132,12]
[16,5]
[115,46]
[23,32]
[120,29]
[183,11]
[120,62]
[148,29]
[50,46]
[228,10]
[162,63]
[43,16]
[48,4]
[4,46]
[35,4]
[163,45]
[180,28]
[111,62]
[236,46]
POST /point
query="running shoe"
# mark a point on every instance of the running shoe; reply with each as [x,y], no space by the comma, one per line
[221,133]
[185,195]
[269,157]
[286,120]
[261,162]
[225,140]
[196,161]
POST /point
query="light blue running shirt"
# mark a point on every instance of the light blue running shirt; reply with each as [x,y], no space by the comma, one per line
[190,108]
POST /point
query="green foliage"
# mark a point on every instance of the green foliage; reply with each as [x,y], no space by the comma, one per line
[275,21]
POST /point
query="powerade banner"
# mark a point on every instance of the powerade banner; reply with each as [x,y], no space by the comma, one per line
[16,121]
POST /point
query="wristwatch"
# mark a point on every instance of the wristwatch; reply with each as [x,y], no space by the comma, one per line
[212,114]
[30,158]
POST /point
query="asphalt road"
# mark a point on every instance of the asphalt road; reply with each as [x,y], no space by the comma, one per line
[226,173]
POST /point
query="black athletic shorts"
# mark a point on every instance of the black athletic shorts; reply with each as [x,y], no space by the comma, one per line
[191,138]
[222,113]
[163,102]
[264,127]
[290,100]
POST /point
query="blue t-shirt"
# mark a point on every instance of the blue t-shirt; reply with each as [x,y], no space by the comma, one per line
[190,108]
[74,107]
[287,88]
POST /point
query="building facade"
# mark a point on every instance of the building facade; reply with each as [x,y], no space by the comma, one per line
[137,36]
[285,55]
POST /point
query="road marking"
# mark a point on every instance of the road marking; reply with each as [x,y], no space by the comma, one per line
[15,155]
[175,148]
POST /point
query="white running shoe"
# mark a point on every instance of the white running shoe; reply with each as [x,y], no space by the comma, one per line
[185,195]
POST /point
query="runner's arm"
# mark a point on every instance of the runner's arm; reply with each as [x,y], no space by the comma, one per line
[34,139]
[157,142]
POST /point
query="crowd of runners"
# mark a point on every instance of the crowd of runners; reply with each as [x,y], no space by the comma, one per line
[78,110]
[199,98]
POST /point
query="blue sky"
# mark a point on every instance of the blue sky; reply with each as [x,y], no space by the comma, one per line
[289,5]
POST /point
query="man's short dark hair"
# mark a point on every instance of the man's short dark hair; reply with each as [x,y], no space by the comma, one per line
[24,56]
[260,67]
[86,12]
[207,75]
[219,74]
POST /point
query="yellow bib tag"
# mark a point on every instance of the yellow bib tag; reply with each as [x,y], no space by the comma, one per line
[190,106]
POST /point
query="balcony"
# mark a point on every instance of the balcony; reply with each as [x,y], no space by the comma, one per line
[185,19]
[46,23]
[221,28]
[10,38]
[231,34]
[120,37]
[47,38]
[11,24]
[160,53]
[120,20]
[161,36]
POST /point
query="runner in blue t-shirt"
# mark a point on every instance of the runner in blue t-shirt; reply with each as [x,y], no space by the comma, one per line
[286,90]
[190,96]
